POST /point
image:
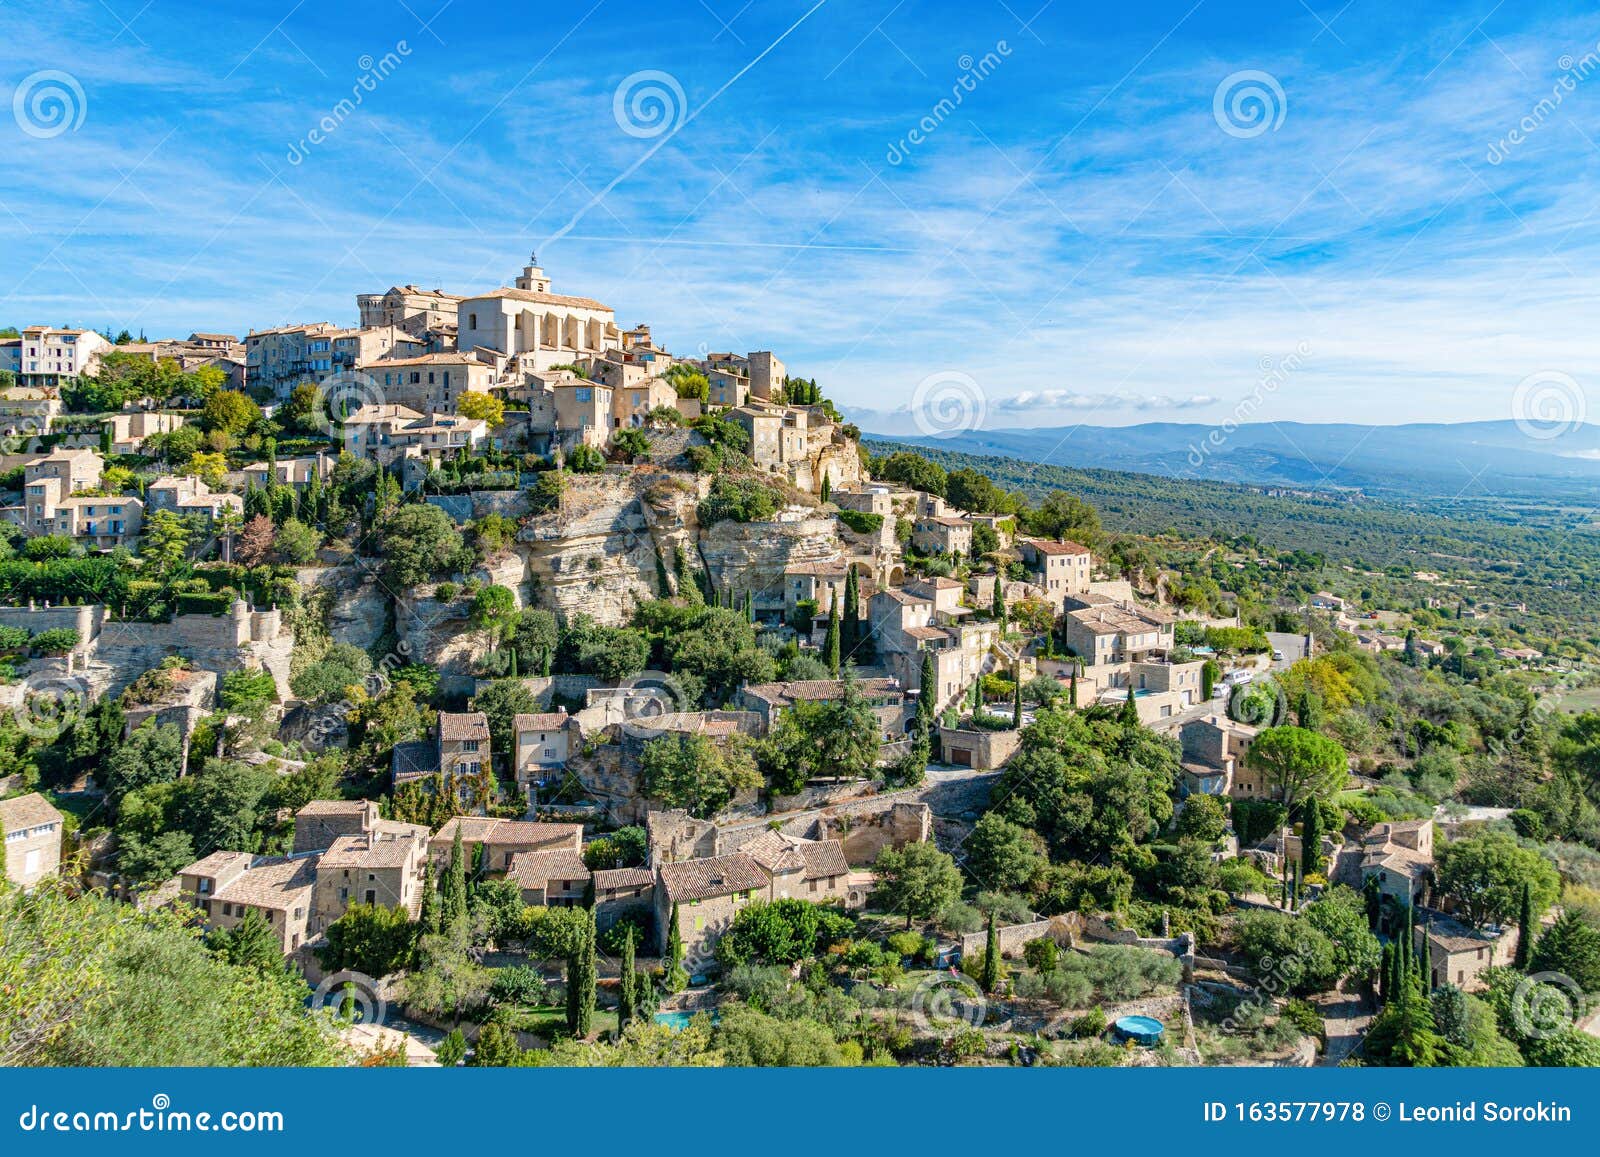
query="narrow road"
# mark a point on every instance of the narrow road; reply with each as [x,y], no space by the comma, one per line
[1347,1021]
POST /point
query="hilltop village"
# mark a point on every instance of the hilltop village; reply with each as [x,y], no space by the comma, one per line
[485,683]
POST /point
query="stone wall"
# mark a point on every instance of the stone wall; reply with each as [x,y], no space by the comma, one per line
[752,556]
[983,750]
[1064,930]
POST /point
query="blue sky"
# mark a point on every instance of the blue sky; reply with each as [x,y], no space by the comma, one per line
[1090,235]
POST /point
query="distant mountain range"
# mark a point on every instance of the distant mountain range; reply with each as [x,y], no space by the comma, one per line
[1467,459]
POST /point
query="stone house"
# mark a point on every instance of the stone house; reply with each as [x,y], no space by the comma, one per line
[799,868]
[620,891]
[1399,857]
[584,413]
[279,359]
[460,747]
[388,433]
[884,697]
[295,472]
[415,310]
[129,430]
[322,821]
[815,582]
[1457,953]
[501,840]
[553,879]
[227,885]
[430,383]
[1060,568]
[942,534]
[632,402]
[976,748]
[190,495]
[767,373]
[1109,636]
[906,626]
[383,865]
[33,832]
[543,743]
[45,356]
[1214,750]
[708,894]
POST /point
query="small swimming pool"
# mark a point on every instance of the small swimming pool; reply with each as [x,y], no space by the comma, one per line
[677,1021]
[1146,1030]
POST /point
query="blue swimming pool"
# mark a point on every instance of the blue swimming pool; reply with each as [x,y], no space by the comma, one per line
[678,1020]
[1146,1030]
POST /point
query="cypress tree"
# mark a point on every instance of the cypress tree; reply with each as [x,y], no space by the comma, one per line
[1016,698]
[827,488]
[1072,688]
[1129,715]
[830,642]
[1524,931]
[674,978]
[586,980]
[991,958]
[1311,839]
[927,693]
[430,903]
[1386,975]
[852,612]
[453,895]
[997,608]
[625,996]
[750,605]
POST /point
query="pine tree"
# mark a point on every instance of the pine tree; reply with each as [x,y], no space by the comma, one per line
[830,642]
[1525,928]
[1311,839]
[625,991]
[991,958]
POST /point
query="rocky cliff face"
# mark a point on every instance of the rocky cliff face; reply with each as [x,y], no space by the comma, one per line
[752,556]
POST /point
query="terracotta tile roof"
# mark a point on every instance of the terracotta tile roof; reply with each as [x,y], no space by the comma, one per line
[705,879]
[543,298]
[272,882]
[27,811]
[830,569]
[824,858]
[413,758]
[334,807]
[817,689]
[948,520]
[1047,546]
[215,862]
[537,869]
[928,634]
[507,833]
[623,878]
[455,726]
[548,721]
[375,850]
[904,598]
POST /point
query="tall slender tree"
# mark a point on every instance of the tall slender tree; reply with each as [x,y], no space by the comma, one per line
[626,990]
[928,692]
[1311,839]
[1525,927]
[581,977]
[997,607]
[675,979]
[830,642]
[852,612]
[453,895]
[1016,697]
[991,958]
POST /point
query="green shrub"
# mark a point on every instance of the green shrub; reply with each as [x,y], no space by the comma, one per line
[861,521]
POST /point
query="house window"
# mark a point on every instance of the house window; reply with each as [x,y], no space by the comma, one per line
[469,745]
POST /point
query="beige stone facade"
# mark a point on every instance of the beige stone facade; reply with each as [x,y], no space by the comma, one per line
[32,830]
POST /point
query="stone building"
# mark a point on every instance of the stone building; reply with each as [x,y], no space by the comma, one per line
[552,879]
[1458,953]
[501,840]
[44,356]
[33,832]
[417,311]
[383,865]
[545,328]
[707,894]
[1060,569]
[543,743]
[1398,857]
[430,383]
[227,885]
